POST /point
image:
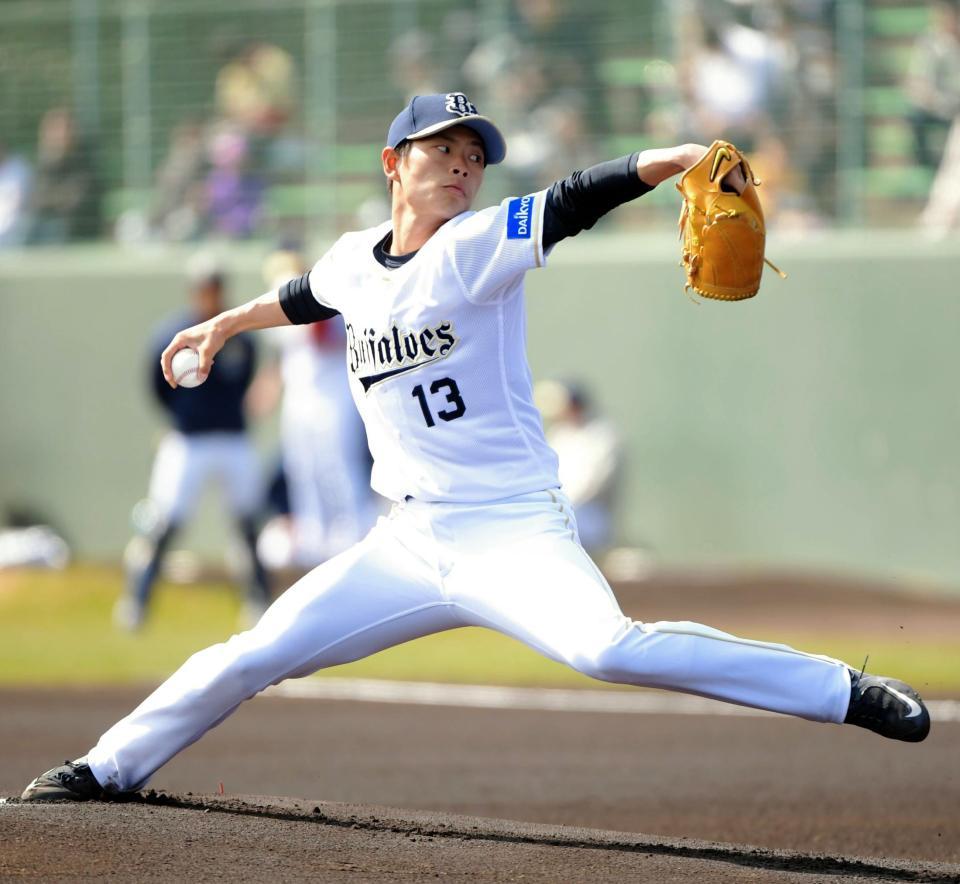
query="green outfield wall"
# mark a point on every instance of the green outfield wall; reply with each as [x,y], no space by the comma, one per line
[816,425]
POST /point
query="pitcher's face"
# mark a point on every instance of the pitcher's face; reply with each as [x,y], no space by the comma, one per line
[440,174]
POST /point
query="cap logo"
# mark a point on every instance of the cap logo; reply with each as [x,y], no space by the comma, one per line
[459,104]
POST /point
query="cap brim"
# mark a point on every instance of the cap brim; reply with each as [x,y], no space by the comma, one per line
[494,144]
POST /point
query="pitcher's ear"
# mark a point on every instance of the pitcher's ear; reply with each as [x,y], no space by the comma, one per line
[390,160]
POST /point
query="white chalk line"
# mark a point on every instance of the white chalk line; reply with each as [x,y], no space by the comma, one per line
[368,690]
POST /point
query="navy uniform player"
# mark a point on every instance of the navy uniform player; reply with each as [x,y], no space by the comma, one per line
[208,441]
[481,533]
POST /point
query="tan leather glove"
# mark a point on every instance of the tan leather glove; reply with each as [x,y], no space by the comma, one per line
[723,230]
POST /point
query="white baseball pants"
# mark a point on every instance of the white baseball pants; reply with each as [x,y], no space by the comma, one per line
[184,464]
[328,474]
[515,566]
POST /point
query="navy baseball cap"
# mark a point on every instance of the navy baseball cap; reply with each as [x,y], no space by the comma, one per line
[429,114]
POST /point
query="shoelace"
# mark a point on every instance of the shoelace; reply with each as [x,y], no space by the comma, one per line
[69,776]
[877,709]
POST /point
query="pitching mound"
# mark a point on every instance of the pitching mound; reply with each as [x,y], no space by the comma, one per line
[186,837]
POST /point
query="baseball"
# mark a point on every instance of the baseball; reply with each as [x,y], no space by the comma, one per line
[185,365]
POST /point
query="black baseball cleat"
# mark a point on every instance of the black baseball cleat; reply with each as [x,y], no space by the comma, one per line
[71,781]
[887,707]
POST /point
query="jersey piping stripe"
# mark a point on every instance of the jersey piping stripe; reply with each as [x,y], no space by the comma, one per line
[538,228]
[711,634]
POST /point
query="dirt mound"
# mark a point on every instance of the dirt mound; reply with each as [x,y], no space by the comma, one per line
[188,837]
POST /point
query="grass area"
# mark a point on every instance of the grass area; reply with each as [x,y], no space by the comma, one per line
[55,629]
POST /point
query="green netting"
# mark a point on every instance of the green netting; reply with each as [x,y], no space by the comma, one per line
[589,83]
[897,21]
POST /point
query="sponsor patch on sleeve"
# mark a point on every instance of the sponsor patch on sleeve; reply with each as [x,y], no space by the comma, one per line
[520,217]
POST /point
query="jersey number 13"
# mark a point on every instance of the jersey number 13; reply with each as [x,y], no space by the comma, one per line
[455,407]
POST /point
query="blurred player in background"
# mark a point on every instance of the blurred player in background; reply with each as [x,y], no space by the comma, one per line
[16,179]
[324,450]
[933,82]
[933,89]
[589,451]
[208,440]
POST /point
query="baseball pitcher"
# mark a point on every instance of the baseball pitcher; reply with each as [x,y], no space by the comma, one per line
[481,532]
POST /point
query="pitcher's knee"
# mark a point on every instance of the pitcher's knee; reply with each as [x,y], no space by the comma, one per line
[625,657]
[606,663]
[237,667]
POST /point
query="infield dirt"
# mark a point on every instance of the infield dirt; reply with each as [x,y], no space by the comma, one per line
[791,800]
[812,794]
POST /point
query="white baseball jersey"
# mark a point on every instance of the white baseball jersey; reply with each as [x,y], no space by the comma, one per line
[436,356]
[437,368]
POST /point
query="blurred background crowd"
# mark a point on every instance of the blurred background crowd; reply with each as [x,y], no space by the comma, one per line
[139,132]
[143,122]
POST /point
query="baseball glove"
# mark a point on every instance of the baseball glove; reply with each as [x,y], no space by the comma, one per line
[722,229]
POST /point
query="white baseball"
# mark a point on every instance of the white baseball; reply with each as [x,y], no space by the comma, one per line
[185,365]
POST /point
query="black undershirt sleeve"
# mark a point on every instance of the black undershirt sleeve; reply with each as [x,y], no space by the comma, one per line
[299,304]
[577,202]
[573,204]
